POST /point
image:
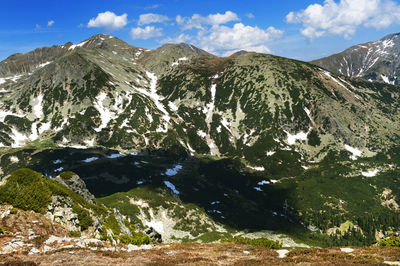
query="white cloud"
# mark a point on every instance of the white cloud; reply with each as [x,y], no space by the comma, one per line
[226,40]
[151,18]
[343,18]
[50,23]
[250,15]
[146,33]
[198,22]
[152,6]
[182,38]
[108,20]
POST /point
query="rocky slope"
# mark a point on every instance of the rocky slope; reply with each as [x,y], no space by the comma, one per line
[374,61]
[63,211]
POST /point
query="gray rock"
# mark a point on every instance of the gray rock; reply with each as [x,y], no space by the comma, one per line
[153,234]
[77,185]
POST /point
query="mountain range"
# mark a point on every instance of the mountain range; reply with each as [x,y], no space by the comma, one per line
[247,142]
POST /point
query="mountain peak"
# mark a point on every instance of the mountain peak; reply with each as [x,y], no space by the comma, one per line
[373,61]
[391,36]
[239,53]
[188,48]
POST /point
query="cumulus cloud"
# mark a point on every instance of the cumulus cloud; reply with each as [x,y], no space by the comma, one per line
[145,33]
[343,18]
[226,40]
[151,18]
[178,39]
[50,23]
[198,22]
[108,20]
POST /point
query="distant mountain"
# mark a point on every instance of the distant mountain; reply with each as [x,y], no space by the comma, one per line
[104,92]
[374,61]
[241,52]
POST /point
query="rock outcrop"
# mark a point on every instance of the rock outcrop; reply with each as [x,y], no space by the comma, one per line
[76,184]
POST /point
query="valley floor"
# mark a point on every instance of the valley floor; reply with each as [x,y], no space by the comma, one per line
[210,254]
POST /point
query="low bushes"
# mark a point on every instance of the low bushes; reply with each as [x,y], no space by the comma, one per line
[390,242]
[260,242]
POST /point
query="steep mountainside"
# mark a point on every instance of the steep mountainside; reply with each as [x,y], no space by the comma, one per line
[374,61]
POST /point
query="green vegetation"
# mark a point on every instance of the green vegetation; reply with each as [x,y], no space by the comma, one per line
[112,223]
[1,230]
[27,190]
[390,242]
[67,175]
[260,242]
[189,217]
[84,217]
[137,238]
[75,233]
[13,211]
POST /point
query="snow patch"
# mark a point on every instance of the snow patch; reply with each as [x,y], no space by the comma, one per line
[282,253]
[173,106]
[173,171]
[257,168]
[14,159]
[346,250]
[19,139]
[44,127]
[356,152]
[105,113]
[37,106]
[43,64]
[293,138]
[3,115]
[116,155]
[72,47]
[371,173]
[386,79]
[89,142]
[201,133]
[171,186]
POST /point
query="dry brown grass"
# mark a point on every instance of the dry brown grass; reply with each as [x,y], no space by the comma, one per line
[211,254]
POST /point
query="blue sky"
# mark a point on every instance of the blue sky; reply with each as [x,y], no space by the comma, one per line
[298,29]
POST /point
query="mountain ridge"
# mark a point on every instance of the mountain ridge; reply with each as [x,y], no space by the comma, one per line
[374,61]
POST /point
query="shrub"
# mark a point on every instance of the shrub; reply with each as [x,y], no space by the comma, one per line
[260,242]
[85,220]
[26,189]
[75,233]
[137,238]
[1,230]
[390,242]
[112,223]
[13,211]
[67,175]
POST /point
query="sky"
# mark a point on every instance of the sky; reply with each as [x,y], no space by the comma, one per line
[299,29]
